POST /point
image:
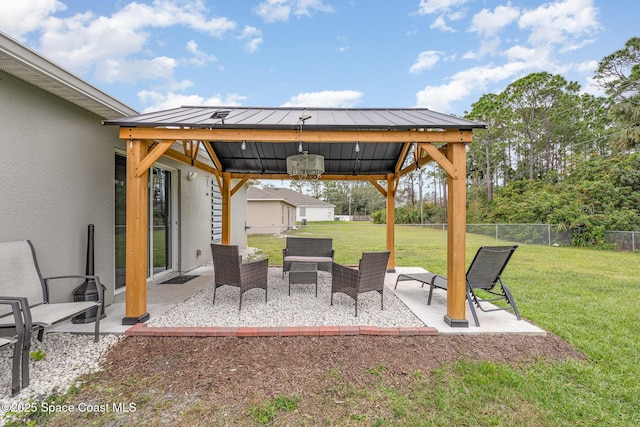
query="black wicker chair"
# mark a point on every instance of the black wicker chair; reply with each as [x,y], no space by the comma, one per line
[368,277]
[229,269]
[484,273]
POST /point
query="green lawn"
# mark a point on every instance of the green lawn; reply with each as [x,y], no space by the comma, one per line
[588,297]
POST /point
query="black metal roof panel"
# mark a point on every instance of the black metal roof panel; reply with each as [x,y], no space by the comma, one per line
[292,118]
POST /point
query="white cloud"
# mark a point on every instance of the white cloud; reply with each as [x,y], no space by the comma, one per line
[490,23]
[561,22]
[440,24]
[587,67]
[427,7]
[462,84]
[253,37]
[158,101]
[111,70]
[274,10]
[327,98]
[20,17]
[199,58]
[425,61]
[86,43]
[281,10]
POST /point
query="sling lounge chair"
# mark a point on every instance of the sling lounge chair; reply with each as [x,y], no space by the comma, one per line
[484,273]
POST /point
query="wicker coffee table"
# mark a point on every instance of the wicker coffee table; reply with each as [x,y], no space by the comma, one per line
[303,273]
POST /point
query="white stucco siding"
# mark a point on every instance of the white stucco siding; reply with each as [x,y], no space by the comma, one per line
[56,178]
[313,213]
[269,216]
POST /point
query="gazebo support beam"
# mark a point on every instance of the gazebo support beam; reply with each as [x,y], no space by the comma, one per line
[391,221]
[456,238]
[226,208]
[136,236]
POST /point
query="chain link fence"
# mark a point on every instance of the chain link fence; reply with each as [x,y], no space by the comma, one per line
[546,234]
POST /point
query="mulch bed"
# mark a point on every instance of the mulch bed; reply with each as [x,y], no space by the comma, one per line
[214,380]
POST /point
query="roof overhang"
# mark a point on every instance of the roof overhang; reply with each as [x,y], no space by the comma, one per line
[25,64]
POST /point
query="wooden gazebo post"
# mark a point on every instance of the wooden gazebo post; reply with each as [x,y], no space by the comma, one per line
[136,237]
[391,222]
[226,208]
[456,237]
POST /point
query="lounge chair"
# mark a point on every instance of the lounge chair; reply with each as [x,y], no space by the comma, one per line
[368,277]
[20,279]
[484,273]
[229,269]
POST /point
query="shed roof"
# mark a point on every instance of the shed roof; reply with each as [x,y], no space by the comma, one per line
[294,197]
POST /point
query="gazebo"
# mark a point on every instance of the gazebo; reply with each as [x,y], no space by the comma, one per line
[246,143]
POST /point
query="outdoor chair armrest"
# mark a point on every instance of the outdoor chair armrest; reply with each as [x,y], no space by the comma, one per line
[258,264]
[16,306]
[99,289]
[343,276]
[23,305]
[438,281]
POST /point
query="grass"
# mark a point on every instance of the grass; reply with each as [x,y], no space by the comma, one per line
[588,297]
[265,413]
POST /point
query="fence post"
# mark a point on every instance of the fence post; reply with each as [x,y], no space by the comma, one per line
[633,241]
[549,233]
[496,233]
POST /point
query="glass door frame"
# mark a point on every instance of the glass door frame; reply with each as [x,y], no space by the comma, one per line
[173,224]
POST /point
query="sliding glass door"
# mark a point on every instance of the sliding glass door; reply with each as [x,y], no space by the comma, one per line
[160,220]
[160,242]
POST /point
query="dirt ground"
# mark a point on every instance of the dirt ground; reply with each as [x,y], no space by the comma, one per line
[212,381]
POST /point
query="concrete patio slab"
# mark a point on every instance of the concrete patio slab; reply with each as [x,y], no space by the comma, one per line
[163,297]
[415,297]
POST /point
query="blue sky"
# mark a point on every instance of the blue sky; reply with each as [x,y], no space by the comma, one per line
[440,54]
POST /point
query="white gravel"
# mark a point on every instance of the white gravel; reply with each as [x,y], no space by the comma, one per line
[302,308]
[68,356]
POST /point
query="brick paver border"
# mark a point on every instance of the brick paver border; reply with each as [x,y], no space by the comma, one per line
[141,329]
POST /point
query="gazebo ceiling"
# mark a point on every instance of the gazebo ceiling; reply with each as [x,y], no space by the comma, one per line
[379,150]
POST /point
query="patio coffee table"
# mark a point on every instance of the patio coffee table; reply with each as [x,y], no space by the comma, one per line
[303,273]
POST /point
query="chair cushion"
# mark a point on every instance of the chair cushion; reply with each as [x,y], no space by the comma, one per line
[300,258]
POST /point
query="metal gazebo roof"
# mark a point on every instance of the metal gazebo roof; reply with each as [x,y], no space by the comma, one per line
[269,158]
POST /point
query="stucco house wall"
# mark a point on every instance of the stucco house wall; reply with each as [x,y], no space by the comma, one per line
[57,178]
[269,216]
[316,213]
[58,174]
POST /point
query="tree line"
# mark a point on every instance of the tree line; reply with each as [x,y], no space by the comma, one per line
[549,154]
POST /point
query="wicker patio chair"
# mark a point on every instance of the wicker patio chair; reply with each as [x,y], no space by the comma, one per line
[229,270]
[368,277]
[483,274]
[20,334]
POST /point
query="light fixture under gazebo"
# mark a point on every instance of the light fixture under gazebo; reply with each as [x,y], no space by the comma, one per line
[305,166]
